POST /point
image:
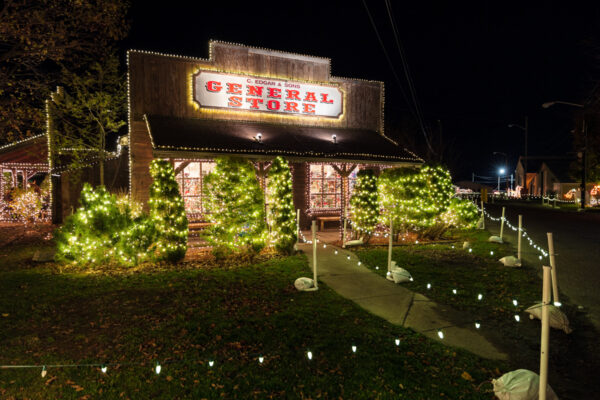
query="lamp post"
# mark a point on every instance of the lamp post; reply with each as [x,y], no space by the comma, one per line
[583,151]
[526,130]
[502,170]
[500,173]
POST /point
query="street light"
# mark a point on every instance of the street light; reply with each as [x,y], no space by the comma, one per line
[505,166]
[583,151]
[526,130]
[500,173]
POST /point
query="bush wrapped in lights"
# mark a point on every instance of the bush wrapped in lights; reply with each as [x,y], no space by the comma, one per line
[167,212]
[281,215]
[462,214]
[416,198]
[364,204]
[101,231]
[235,205]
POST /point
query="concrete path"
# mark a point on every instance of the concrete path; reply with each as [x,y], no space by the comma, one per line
[395,303]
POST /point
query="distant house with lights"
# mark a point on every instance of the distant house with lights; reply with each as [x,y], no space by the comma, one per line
[240,101]
[545,176]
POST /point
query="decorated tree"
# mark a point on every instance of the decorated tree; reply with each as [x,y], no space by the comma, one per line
[281,216]
[462,213]
[364,204]
[102,231]
[416,198]
[235,205]
[167,212]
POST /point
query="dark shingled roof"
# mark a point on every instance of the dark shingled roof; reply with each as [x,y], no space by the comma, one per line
[234,137]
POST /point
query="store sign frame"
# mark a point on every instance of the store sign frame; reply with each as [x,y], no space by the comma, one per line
[219,90]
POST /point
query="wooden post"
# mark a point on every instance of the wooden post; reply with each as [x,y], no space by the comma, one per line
[554,201]
[482,214]
[390,241]
[545,334]
[520,236]
[553,266]
[502,223]
[344,234]
[314,243]
[298,225]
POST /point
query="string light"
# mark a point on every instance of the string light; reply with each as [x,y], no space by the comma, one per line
[157,368]
[440,334]
[429,286]
[454,291]
[397,341]
[44,371]
[104,368]
[211,363]
[479,297]
[309,355]
[517,317]
[261,359]
[515,302]
[354,349]
[477,325]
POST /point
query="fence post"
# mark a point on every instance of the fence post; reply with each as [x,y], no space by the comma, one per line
[390,236]
[545,334]
[502,223]
[314,243]
[520,235]
[553,266]
[482,214]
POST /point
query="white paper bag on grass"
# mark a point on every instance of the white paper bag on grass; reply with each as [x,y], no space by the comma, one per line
[557,319]
[495,239]
[303,283]
[510,261]
[521,384]
[401,275]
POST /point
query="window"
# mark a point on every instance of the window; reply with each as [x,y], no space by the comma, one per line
[325,187]
[190,181]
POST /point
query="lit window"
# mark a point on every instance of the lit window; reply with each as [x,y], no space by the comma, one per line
[190,181]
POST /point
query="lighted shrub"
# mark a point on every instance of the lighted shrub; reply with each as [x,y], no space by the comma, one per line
[101,231]
[236,207]
[281,215]
[26,206]
[364,204]
[415,198]
[461,213]
[167,212]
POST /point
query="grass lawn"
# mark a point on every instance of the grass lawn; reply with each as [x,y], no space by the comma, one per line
[185,315]
[447,266]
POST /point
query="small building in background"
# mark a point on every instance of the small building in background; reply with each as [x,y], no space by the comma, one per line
[546,175]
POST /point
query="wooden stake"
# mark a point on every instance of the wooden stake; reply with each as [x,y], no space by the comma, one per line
[344,233]
[389,266]
[520,236]
[482,214]
[553,266]
[298,225]
[545,334]
[314,242]
[502,223]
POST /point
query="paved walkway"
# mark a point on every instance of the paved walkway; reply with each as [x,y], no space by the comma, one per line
[395,303]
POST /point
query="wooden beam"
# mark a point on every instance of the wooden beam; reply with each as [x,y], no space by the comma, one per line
[181,167]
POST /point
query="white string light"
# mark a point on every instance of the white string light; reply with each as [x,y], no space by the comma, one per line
[309,355]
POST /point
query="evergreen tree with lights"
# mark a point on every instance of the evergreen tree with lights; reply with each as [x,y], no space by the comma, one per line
[167,212]
[235,205]
[281,215]
[104,231]
[364,204]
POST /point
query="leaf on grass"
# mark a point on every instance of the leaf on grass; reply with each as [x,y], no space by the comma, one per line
[49,381]
[5,315]
[466,376]
[169,378]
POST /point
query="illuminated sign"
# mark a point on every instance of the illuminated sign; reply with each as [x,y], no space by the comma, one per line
[239,92]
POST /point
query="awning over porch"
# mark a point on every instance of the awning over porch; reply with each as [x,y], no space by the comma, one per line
[207,137]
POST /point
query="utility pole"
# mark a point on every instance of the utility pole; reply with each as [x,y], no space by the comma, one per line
[583,165]
[526,134]
[473,177]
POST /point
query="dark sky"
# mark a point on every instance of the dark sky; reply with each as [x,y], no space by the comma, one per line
[476,66]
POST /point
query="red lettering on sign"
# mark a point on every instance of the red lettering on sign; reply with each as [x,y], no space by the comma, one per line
[309,108]
[213,86]
[254,103]
[234,88]
[293,94]
[273,105]
[254,91]
[324,98]
[291,105]
[310,96]
[275,93]
[235,101]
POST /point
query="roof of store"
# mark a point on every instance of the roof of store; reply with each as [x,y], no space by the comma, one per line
[170,134]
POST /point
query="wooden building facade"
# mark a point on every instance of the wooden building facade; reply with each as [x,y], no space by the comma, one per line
[258,104]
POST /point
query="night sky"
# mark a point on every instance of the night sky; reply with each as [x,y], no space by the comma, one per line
[476,67]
